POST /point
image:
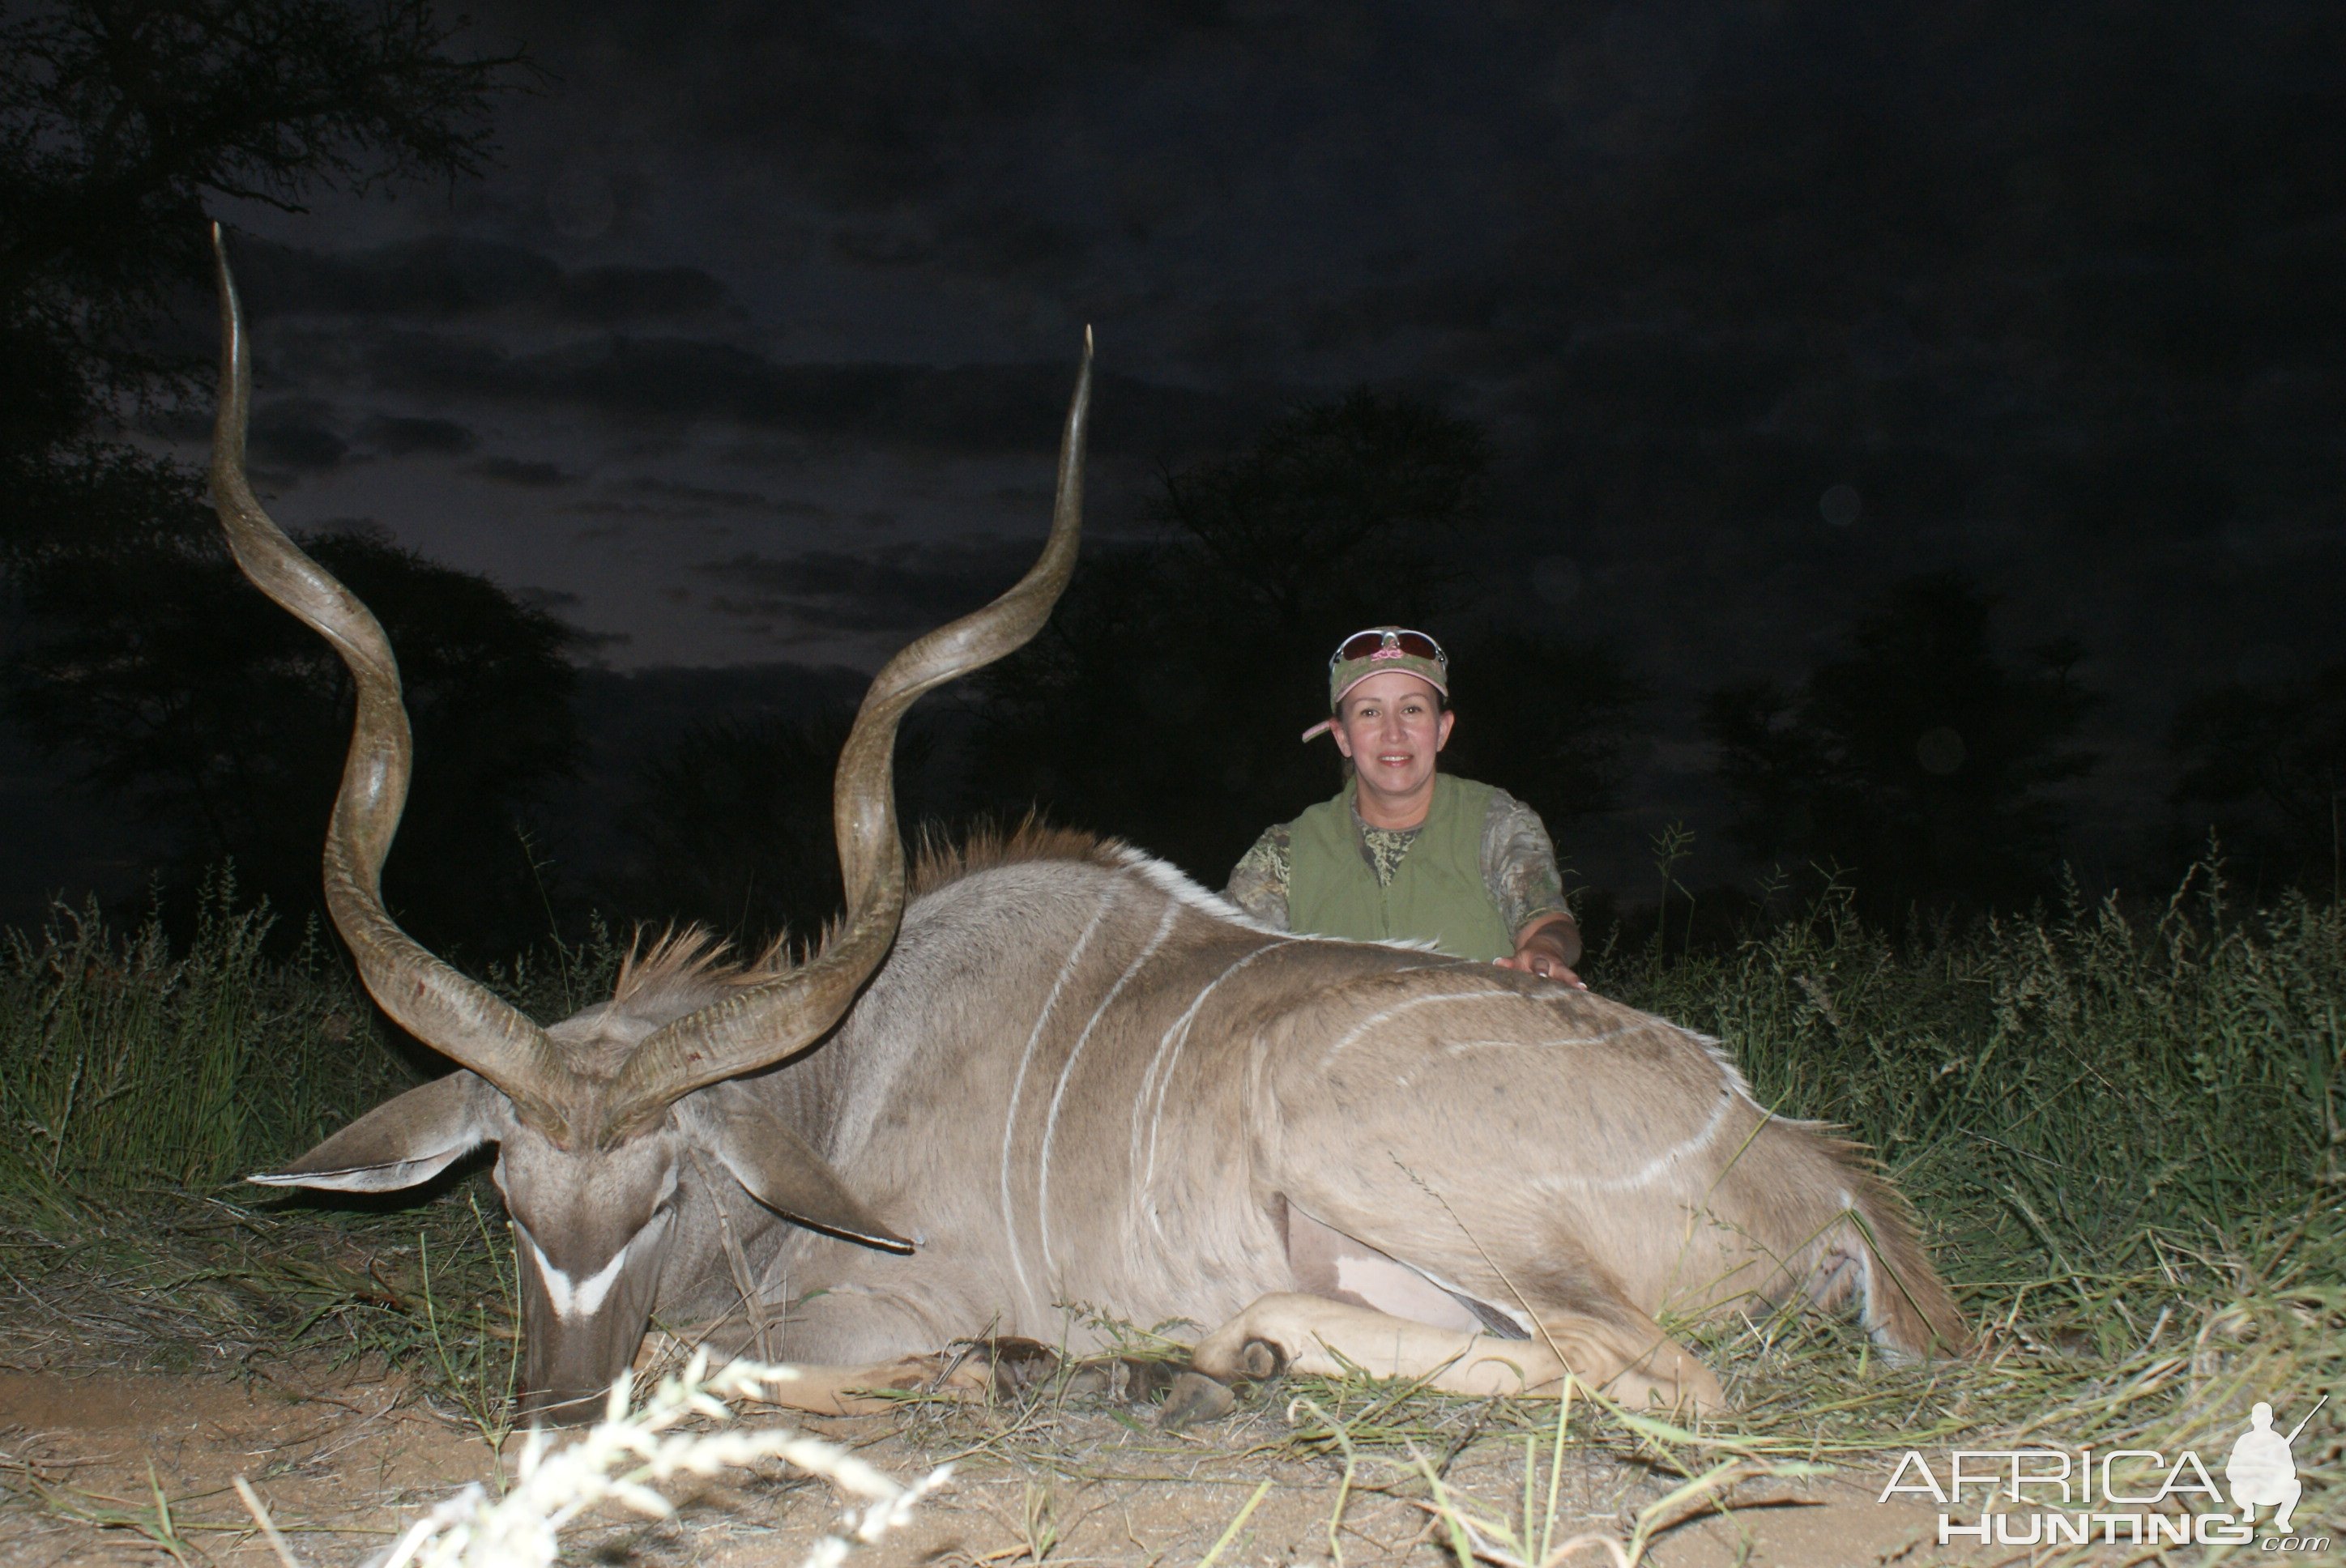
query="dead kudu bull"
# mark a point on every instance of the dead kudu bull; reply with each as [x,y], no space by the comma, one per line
[1078,1078]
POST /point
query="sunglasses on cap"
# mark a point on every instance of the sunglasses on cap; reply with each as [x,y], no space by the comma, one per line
[1378,642]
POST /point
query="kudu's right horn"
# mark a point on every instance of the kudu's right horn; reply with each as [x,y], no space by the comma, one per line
[755,1027]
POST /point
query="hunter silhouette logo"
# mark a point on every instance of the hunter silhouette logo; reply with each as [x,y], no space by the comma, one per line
[2044,1496]
[2262,1472]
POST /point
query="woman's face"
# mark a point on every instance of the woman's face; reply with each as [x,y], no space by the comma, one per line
[1390,725]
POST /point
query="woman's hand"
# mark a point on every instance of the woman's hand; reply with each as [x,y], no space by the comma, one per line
[1546,947]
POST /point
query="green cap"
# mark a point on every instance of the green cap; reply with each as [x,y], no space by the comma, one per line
[1377,651]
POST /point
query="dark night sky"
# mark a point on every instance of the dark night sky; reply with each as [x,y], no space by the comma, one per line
[752,348]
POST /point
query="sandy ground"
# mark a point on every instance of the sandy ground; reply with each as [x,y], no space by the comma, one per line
[342,1461]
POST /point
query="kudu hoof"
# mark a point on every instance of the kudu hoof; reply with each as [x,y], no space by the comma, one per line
[1194,1398]
[1151,1382]
[1129,1378]
[1015,1366]
[1260,1359]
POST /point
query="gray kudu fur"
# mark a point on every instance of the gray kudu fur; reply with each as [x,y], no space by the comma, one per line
[1077,1079]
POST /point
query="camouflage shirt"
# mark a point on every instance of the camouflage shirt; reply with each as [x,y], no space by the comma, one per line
[1518,865]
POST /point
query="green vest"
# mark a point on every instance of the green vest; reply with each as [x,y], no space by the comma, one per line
[1437,893]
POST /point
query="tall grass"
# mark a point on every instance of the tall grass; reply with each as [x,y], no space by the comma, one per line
[2123,1128]
[2083,1089]
[2071,1091]
[124,1064]
[141,1080]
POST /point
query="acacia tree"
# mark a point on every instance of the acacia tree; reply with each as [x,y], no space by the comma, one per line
[121,121]
[138,652]
[223,720]
[1917,761]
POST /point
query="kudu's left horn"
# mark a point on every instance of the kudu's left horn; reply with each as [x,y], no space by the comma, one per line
[455,1015]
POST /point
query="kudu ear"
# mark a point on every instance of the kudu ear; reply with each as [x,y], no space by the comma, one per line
[779,1168]
[404,1141]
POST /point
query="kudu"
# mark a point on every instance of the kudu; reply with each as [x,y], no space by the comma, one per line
[1079,1078]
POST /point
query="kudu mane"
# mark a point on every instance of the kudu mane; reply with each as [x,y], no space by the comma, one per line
[942,861]
[666,976]
[670,974]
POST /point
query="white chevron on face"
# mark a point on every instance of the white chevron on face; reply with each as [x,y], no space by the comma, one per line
[582,1299]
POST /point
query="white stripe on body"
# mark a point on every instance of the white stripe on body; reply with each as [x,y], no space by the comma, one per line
[1172,881]
[1018,1087]
[1398,1008]
[1051,1120]
[1175,884]
[1160,1076]
[1660,1165]
[1460,1047]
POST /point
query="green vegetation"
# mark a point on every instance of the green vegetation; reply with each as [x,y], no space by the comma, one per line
[2127,1135]
[140,1084]
[124,1066]
[2081,1094]
[2124,1131]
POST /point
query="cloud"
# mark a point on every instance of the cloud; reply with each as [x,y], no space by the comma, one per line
[370,529]
[439,276]
[297,433]
[829,590]
[446,277]
[610,296]
[677,499]
[527,473]
[873,107]
[651,381]
[395,435]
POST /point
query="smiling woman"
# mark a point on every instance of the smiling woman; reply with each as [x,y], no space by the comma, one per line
[1404,852]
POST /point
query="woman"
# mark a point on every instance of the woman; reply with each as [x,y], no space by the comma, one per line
[1404,851]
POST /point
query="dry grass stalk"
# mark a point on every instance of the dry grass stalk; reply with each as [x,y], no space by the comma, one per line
[622,1458]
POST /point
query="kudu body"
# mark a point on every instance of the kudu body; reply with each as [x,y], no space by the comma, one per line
[1078,1078]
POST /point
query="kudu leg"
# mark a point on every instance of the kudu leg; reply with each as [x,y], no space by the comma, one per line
[1623,1353]
[1006,1369]
[838,1328]
[819,1390]
[874,1390]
